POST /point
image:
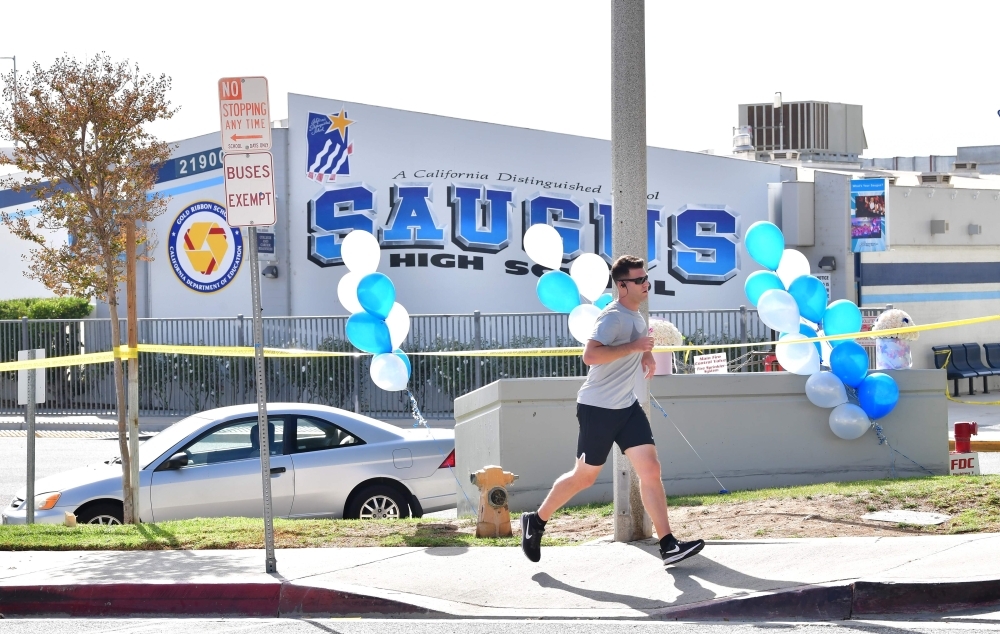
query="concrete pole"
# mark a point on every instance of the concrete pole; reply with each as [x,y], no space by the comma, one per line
[628,184]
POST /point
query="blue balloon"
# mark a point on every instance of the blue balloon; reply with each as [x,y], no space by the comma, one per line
[760,282]
[809,332]
[602,301]
[376,294]
[402,355]
[841,317]
[810,295]
[765,244]
[849,362]
[878,394]
[368,333]
[558,292]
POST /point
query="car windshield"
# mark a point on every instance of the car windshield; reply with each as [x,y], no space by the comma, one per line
[153,448]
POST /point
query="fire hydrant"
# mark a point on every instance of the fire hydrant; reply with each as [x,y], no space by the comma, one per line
[494,514]
[963,434]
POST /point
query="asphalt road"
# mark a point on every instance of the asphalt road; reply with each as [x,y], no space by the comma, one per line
[393,626]
[53,455]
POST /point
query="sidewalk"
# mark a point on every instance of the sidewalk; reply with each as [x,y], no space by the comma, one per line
[988,417]
[789,578]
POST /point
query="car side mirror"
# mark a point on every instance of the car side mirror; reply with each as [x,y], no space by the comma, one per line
[176,461]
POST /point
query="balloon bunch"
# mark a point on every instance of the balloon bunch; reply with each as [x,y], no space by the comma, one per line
[378,323]
[559,292]
[793,302]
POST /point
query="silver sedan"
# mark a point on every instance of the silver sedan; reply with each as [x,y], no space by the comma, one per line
[325,462]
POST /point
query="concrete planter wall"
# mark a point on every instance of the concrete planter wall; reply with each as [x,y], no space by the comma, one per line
[754,430]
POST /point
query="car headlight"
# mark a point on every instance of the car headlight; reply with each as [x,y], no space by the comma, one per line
[45,501]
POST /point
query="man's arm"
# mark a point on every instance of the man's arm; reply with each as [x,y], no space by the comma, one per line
[596,353]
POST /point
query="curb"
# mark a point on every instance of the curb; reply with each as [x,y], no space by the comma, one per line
[287,599]
[849,600]
[985,446]
[279,599]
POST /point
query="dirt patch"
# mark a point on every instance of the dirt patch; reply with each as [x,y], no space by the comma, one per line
[819,516]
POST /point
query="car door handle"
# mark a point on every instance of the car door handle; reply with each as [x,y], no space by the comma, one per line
[275,470]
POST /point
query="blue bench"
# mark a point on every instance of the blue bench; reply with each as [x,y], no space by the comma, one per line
[946,357]
[963,361]
[992,355]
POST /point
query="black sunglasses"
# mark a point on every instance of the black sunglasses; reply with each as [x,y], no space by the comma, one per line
[635,280]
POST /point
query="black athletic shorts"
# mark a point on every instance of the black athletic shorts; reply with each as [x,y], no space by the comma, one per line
[600,427]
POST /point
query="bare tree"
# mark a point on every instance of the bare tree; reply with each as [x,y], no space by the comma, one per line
[79,132]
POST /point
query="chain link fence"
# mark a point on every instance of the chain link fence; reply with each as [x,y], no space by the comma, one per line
[178,384]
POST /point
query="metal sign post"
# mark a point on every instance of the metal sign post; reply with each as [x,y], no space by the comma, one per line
[29,386]
[248,177]
[271,564]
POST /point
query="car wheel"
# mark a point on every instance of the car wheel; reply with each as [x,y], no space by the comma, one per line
[104,513]
[378,502]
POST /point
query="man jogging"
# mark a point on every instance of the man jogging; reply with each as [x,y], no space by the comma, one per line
[609,412]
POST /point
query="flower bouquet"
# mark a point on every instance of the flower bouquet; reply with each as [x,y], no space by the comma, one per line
[892,352]
[664,333]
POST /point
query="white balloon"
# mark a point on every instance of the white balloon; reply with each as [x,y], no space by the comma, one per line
[582,320]
[590,272]
[398,322]
[544,245]
[848,421]
[347,291]
[778,310]
[797,358]
[360,252]
[825,389]
[389,372]
[792,265]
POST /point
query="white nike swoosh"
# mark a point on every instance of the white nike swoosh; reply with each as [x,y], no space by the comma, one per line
[675,549]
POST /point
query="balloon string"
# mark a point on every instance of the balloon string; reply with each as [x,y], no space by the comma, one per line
[722,489]
[852,394]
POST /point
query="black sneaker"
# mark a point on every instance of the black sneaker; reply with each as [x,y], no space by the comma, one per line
[531,536]
[678,551]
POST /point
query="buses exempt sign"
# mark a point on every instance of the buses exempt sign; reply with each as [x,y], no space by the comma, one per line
[249,180]
[244,114]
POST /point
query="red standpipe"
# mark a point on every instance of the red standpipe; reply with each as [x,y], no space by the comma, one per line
[963,432]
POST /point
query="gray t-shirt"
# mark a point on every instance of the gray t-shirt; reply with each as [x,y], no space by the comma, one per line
[612,385]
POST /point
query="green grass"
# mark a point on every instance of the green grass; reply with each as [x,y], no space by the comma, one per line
[239,533]
[972,501]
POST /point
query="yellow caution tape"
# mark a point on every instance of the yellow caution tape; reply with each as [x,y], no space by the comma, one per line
[124,352]
[59,362]
[239,351]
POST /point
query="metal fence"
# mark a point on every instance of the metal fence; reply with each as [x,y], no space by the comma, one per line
[176,384]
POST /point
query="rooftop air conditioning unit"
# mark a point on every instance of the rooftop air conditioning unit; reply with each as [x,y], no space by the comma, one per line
[968,169]
[935,179]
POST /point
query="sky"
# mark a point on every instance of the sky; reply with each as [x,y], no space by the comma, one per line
[921,71]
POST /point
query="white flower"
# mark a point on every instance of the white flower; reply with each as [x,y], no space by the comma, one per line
[895,318]
[665,333]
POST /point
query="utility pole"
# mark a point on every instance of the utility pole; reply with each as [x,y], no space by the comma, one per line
[133,369]
[628,185]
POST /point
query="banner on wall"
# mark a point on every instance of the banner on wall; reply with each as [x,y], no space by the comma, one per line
[449,201]
[869,213]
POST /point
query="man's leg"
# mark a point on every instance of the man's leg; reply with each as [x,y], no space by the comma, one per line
[647,467]
[569,484]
